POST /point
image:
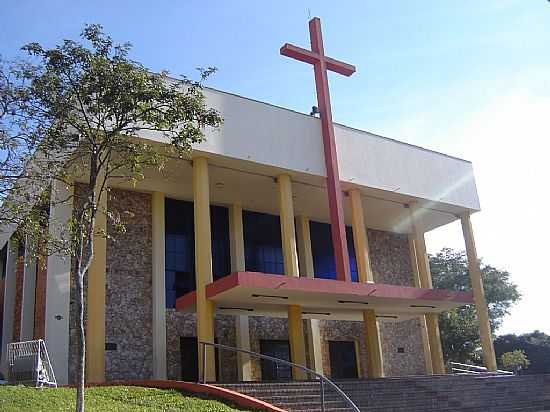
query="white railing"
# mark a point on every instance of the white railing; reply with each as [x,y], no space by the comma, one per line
[466,369]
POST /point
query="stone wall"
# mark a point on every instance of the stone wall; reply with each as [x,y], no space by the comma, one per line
[179,324]
[401,341]
[128,312]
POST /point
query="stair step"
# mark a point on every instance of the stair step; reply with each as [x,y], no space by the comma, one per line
[410,394]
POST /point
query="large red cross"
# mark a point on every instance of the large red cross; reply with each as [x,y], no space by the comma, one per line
[321,63]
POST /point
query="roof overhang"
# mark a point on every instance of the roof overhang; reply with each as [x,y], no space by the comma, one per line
[260,294]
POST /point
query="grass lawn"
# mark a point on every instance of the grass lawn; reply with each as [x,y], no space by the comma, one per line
[103,399]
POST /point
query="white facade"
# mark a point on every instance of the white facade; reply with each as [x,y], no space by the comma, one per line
[273,136]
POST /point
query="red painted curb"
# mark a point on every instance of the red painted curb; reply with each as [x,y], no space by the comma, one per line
[237,398]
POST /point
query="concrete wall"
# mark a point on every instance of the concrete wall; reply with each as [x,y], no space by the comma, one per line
[274,136]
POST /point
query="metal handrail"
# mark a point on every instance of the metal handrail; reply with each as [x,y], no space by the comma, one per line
[322,378]
[464,368]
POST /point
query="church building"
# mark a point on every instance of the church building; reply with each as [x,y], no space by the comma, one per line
[282,234]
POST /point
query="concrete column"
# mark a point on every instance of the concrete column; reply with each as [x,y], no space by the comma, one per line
[203,264]
[159,290]
[425,277]
[305,263]
[288,232]
[9,304]
[290,255]
[375,359]
[360,240]
[95,299]
[242,331]
[422,318]
[297,340]
[29,289]
[58,284]
[375,362]
[489,358]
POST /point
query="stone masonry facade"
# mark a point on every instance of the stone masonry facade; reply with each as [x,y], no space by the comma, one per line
[129,312]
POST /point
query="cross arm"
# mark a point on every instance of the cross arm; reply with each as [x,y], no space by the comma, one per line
[311,57]
[298,53]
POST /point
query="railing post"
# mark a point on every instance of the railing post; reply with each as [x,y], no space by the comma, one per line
[203,362]
[322,381]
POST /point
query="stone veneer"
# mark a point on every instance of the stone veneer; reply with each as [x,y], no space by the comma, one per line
[180,324]
[129,315]
[390,263]
[128,312]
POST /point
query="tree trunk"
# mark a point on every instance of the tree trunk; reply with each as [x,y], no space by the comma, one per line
[84,259]
[81,343]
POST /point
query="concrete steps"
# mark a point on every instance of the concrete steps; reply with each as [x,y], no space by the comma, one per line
[447,393]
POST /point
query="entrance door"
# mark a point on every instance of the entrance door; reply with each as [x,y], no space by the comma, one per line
[272,371]
[343,363]
[189,359]
[189,352]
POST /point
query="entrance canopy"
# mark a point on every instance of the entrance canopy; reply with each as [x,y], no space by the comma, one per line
[260,294]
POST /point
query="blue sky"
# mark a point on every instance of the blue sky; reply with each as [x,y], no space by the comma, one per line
[469,78]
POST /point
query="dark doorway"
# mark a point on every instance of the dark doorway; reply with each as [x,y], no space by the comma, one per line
[189,357]
[272,371]
[189,352]
[343,362]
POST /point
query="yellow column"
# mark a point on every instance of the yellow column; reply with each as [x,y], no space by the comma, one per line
[95,321]
[203,265]
[288,233]
[375,366]
[425,276]
[290,256]
[375,359]
[422,319]
[158,286]
[360,240]
[489,358]
[242,328]
[305,260]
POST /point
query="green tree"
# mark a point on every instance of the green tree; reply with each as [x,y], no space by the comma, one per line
[514,361]
[82,104]
[459,327]
[535,345]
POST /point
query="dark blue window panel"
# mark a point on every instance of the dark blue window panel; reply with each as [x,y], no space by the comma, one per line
[262,243]
[180,247]
[324,264]
[221,255]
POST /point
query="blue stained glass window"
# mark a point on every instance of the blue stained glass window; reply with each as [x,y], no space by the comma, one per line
[324,264]
[180,247]
[262,243]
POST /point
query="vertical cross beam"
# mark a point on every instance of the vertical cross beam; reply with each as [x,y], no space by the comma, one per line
[321,64]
